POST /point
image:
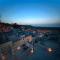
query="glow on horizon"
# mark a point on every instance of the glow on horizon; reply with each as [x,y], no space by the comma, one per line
[31,21]
[33,12]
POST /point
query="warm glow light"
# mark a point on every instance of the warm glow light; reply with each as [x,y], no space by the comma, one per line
[3,57]
[32,50]
[18,48]
[49,49]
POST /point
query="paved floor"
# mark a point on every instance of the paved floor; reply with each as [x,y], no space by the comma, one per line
[41,52]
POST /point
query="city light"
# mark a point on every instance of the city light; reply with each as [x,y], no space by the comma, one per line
[3,57]
[49,49]
[32,50]
[18,48]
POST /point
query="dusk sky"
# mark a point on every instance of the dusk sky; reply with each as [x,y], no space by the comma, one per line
[43,12]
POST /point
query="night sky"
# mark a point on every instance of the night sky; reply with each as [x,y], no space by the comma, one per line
[34,12]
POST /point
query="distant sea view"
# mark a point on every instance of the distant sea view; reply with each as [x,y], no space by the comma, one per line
[46,25]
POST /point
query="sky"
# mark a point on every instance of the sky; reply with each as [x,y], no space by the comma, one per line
[31,12]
